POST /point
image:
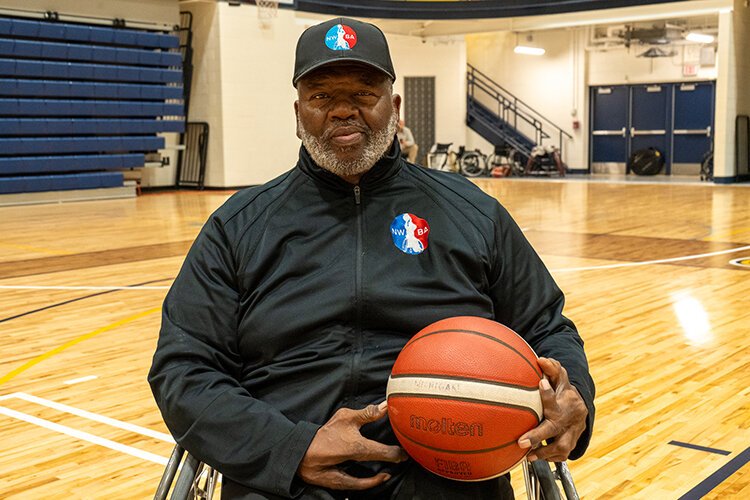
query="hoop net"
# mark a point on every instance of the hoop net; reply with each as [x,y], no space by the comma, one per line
[267,10]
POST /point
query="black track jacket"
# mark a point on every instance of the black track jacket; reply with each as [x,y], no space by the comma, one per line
[295,300]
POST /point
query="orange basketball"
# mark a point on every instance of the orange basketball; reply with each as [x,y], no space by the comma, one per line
[461,393]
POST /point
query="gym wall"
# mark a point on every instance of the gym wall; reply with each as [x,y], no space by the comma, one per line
[243,88]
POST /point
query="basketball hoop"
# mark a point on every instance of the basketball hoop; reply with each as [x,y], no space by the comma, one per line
[267,10]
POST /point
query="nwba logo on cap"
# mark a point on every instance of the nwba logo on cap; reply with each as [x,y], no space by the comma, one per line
[341,37]
[409,233]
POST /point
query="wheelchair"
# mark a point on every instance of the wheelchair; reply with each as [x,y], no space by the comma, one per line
[545,161]
[198,481]
[443,157]
[469,162]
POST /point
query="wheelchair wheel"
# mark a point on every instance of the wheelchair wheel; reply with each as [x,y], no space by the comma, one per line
[542,482]
[471,164]
[437,161]
[196,481]
[547,486]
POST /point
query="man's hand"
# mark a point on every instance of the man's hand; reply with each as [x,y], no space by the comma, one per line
[339,440]
[564,416]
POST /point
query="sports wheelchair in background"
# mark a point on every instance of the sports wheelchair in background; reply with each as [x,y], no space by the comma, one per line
[503,162]
[198,481]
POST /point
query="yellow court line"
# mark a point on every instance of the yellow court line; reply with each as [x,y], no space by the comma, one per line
[77,340]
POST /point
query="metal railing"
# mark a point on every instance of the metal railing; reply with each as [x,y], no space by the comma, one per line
[512,110]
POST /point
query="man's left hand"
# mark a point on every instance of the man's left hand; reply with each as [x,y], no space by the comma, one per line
[564,416]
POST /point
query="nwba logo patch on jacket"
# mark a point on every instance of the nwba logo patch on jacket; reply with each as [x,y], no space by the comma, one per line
[410,233]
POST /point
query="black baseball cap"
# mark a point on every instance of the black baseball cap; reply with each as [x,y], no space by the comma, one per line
[338,40]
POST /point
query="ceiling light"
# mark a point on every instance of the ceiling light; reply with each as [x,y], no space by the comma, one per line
[529,48]
[529,51]
[699,37]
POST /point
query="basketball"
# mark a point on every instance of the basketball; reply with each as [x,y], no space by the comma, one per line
[461,393]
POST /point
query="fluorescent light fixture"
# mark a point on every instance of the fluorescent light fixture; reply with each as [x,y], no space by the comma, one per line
[529,51]
[699,37]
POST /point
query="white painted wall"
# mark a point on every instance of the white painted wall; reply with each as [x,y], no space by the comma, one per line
[445,59]
[205,97]
[623,66]
[242,88]
[257,96]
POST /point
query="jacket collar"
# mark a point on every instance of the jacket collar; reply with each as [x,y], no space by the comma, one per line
[386,167]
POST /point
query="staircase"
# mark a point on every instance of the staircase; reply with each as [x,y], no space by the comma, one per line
[504,120]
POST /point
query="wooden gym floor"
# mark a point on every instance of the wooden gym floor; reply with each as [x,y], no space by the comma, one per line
[646,269]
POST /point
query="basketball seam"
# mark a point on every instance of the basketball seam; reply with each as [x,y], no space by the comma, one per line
[529,388]
[480,334]
[465,400]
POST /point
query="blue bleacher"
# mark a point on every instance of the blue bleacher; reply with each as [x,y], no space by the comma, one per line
[38,183]
[79,101]
[28,28]
[69,163]
[101,90]
[11,127]
[82,71]
[59,107]
[66,145]
[76,52]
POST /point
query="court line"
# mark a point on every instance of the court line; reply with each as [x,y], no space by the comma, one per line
[3,320]
[85,436]
[79,380]
[13,373]
[700,448]
[718,477]
[650,262]
[137,429]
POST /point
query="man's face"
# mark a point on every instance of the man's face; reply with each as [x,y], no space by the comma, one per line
[346,117]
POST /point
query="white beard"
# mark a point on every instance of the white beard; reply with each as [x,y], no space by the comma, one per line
[322,153]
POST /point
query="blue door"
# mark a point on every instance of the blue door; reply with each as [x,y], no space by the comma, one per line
[650,119]
[609,122]
[693,120]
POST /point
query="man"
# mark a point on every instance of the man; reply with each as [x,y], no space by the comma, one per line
[409,148]
[280,331]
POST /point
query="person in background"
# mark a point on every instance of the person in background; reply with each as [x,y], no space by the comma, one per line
[409,148]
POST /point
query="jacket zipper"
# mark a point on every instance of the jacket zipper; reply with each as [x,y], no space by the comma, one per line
[358,344]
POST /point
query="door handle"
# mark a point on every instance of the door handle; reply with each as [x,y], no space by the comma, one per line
[635,132]
[687,131]
[609,132]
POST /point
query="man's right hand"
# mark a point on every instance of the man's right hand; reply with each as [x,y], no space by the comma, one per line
[338,441]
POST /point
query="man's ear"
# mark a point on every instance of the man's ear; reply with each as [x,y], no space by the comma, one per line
[296,119]
[397,104]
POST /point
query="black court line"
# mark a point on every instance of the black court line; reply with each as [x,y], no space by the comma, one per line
[700,448]
[718,477]
[3,320]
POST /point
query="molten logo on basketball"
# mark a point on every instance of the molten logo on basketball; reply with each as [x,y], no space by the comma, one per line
[445,426]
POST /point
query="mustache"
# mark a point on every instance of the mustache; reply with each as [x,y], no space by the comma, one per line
[328,133]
